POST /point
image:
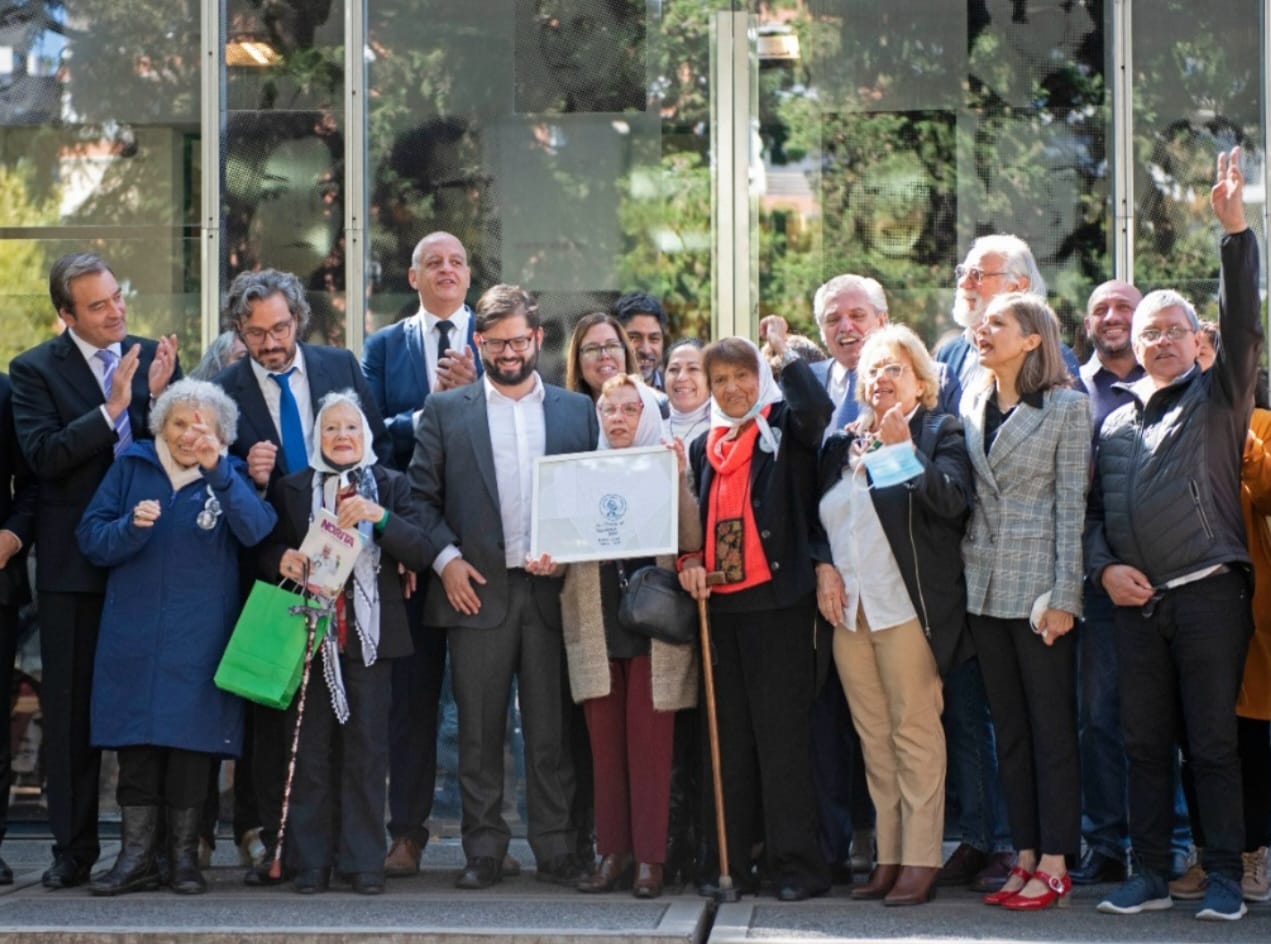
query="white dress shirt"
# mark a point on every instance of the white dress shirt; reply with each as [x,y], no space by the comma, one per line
[432,338]
[518,436]
[97,366]
[862,554]
[836,384]
[299,382]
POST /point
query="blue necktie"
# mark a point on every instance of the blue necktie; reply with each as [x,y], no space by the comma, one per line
[849,408]
[293,434]
[123,425]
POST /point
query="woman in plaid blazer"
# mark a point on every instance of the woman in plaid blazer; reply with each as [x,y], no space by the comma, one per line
[1028,436]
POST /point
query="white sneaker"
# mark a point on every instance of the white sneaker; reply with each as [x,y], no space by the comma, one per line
[1254,885]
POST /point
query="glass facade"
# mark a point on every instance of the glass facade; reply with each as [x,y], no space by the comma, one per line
[586,148]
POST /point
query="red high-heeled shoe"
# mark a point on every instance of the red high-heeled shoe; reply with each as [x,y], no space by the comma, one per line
[996,898]
[1056,893]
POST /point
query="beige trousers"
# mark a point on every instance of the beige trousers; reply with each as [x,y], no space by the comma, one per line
[896,696]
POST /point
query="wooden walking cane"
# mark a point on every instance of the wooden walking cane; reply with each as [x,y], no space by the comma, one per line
[726,891]
[312,615]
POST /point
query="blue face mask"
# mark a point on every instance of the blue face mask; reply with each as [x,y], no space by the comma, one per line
[892,465]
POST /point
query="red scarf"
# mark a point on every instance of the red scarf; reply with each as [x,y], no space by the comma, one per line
[732,538]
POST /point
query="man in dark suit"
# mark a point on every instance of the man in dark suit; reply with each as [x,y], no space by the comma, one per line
[277,386]
[428,352]
[78,401]
[18,494]
[472,472]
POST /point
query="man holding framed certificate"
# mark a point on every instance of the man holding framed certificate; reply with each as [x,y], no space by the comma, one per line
[472,473]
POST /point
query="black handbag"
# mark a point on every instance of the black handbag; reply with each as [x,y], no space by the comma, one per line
[654,605]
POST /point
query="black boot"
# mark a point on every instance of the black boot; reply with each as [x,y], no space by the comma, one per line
[183,844]
[134,870]
[162,861]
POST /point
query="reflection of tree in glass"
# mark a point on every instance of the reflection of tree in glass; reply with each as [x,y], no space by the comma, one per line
[580,56]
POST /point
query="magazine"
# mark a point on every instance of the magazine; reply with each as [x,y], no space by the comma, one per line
[332,551]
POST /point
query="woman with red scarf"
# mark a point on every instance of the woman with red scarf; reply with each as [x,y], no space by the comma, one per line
[756,478]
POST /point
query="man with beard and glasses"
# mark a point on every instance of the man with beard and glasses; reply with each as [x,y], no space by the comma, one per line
[472,472]
[276,388]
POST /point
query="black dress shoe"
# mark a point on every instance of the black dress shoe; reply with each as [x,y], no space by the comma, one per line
[66,872]
[798,892]
[312,881]
[1096,868]
[367,883]
[562,870]
[480,872]
[962,867]
[6,873]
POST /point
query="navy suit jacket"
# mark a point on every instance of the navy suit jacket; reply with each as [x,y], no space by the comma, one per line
[69,446]
[328,369]
[452,476]
[19,493]
[393,363]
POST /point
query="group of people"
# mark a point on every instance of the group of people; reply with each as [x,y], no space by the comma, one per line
[1032,575]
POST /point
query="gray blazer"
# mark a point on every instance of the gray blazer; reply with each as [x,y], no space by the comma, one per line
[452,477]
[1024,537]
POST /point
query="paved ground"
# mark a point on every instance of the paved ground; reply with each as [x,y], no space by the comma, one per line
[428,910]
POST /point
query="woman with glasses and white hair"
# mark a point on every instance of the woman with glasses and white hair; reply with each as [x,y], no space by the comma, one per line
[896,486]
[629,685]
[336,818]
[169,521]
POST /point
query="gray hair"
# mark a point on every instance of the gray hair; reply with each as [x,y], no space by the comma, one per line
[249,287]
[199,395]
[216,358]
[418,251]
[1019,259]
[871,287]
[335,398]
[1159,300]
[66,270]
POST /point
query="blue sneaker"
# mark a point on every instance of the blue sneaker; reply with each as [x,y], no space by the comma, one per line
[1223,901]
[1143,891]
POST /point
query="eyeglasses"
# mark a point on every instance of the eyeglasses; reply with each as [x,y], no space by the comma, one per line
[591,352]
[890,371]
[279,332]
[977,274]
[629,410]
[497,346]
[1153,335]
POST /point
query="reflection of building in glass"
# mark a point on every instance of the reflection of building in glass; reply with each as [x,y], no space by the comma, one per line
[580,56]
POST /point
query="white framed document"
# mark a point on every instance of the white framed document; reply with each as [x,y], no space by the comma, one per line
[607,505]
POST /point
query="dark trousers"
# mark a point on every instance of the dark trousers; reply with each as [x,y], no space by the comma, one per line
[150,775]
[483,664]
[68,645]
[764,672]
[838,774]
[631,746]
[336,815]
[1032,691]
[974,781]
[1254,738]
[412,728]
[1103,771]
[270,744]
[1186,655]
[9,627]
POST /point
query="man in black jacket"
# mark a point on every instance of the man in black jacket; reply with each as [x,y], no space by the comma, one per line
[1165,538]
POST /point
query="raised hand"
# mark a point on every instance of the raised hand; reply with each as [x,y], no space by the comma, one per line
[163,365]
[1227,196]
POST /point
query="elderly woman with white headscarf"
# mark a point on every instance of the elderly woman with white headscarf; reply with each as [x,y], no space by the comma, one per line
[756,479]
[342,761]
[629,685]
[169,520]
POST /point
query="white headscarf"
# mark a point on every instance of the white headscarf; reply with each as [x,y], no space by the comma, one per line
[651,431]
[769,392]
[327,483]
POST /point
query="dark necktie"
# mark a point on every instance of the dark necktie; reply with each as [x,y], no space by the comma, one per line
[123,425]
[293,434]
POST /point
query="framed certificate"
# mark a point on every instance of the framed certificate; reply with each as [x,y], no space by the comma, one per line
[606,505]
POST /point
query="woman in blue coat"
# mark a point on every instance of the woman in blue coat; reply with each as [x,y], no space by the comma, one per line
[168,521]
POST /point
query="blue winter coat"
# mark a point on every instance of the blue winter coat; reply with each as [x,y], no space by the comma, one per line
[171,602]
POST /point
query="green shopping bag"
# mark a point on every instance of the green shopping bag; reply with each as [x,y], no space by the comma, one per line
[265,655]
